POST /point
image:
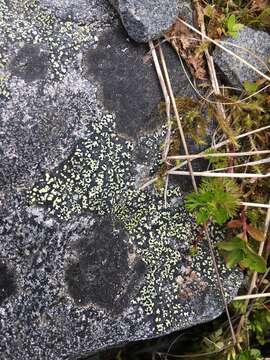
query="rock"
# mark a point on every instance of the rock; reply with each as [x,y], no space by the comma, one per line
[185,10]
[81,11]
[7,283]
[257,43]
[30,63]
[116,59]
[146,20]
[87,260]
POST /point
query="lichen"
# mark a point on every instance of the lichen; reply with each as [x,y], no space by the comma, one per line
[92,178]
[98,176]
[25,22]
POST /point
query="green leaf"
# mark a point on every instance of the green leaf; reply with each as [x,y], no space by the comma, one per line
[260,325]
[238,252]
[233,244]
[217,200]
[252,354]
[232,26]
[231,22]
[250,87]
[253,261]
[234,257]
[202,216]
[237,27]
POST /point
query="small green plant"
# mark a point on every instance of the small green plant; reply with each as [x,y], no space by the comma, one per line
[250,87]
[252,354]
[238,251]
[260,325]
[232,26]
[217,200]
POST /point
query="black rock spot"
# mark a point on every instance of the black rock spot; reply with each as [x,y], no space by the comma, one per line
[30,63]
[129,82]
[7,282]
[103,275]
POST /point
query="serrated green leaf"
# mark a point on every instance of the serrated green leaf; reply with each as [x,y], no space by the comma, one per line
[231,22]
[252,354]
[202,216]
[253,261]
[216,200]
[232,26]
[237,27]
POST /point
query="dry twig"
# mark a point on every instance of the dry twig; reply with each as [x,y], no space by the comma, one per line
[252,296]
[255,274]
[217,43]
[176,113]
[223,174]
[204,155]
[191,173]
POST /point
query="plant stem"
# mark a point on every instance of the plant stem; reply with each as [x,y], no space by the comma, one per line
[221,174]
[203,155]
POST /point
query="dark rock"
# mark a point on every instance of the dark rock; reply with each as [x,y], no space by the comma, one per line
[30,63]
[146,20]
[128,82]
[94,261]
[102,275]
[257,44]
[7,282]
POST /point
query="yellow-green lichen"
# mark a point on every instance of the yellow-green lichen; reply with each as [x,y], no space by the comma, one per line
[24,22]
[98,177]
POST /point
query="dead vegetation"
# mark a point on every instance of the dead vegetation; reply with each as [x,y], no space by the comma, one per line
[235,193]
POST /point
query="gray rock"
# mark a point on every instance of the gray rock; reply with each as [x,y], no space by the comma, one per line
[87,261]
[257,43]
[126,81]
[185,10]
[83,11]
[146,20]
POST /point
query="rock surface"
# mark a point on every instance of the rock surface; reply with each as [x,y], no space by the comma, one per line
[88,261]
[146,20]
[257,44]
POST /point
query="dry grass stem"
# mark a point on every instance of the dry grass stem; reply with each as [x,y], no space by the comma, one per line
[222,174]
[214,147]
[257,205]
[217,43]
[166,99]
[204,155]
[194,184]
[176,113]
[225,142]
[250,163]
[166,192]
[148,183]
[255,274]
[251,296]
[263,63]
[214,102]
